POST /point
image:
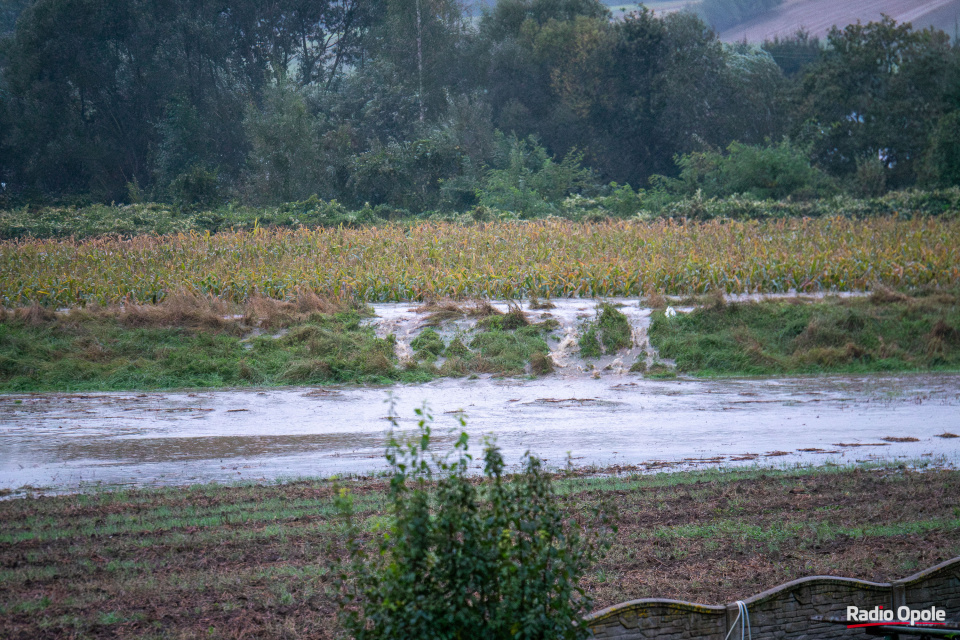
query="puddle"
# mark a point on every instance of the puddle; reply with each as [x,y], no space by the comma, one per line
[63,442]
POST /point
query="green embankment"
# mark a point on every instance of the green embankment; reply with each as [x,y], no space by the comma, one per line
[886,331]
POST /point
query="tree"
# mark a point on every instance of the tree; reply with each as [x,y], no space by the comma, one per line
[793,55]
[424,41]
[876,92]
[759,171]
[495,559]
[9,12]
[942,160]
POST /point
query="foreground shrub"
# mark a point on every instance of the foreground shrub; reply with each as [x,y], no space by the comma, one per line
[466,559]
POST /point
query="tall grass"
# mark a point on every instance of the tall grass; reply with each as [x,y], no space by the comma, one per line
[502,260]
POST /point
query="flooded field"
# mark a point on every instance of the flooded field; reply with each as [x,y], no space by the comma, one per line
[58,442]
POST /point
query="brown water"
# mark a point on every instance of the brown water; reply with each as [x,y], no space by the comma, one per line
[63,442]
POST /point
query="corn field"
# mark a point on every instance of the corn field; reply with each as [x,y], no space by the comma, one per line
[550,258]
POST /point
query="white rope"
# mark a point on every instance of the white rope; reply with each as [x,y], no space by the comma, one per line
[743,616]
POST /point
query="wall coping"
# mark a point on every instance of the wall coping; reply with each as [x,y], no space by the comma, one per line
[646,603]
[927,573]
[812,580]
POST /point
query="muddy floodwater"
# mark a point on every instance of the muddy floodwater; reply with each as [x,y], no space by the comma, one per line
[63,442]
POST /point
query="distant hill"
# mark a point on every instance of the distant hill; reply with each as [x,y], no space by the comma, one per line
[818,16]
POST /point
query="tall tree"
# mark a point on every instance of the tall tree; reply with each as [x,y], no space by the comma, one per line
[875,94]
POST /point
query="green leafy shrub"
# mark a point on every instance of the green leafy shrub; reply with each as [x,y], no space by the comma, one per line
[461,559]
[196,188]
[528,182]
[761,172]
[942,160]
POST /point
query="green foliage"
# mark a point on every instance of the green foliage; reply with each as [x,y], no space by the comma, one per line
[149,218]
[528,182]
[497,559]
[456,349]
[723,14]
[9,12]
[945,202]
[416,108]
[109,351]
[408,175]
[508,352]
[793,55]
[196,188]
[608,333]
[337,348]
[942,161]
[761,172]
[873,79]
[285,160]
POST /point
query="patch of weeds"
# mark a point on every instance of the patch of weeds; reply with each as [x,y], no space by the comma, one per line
[456,349]
[336,348]
[640,364]
[539,305]
[428,345]
[455,366]
[514,319]
[608,333]
[32,606]
[541,363]
[136,349]
[548,325]
[660,371]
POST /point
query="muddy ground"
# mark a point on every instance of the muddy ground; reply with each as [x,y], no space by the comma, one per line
[254,561]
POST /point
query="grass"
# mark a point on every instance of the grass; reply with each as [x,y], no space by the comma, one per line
[254,560]
[507,260]
[609,333]
[886,331]
[191,341]
[188,343]
[510,351]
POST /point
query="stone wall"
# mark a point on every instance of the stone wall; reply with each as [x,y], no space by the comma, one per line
[782,613]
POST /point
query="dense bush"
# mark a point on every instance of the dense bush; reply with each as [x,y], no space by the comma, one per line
[527,181]
[459,558]
[771,172]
